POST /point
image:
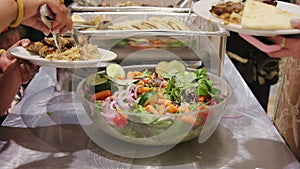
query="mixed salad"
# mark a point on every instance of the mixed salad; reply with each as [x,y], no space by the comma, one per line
[152,43]
[147,102]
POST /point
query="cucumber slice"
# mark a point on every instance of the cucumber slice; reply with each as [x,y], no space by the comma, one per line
[176,66]
[153,99]
[168,69]
[161,68]
[95,79]
[121,82]
[115,70]
[97,83]
[102,87]
[148,98]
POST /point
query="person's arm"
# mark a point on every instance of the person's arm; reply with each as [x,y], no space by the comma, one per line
[290,46]
[8,13]
[61,23]
[10,82]
[6,58]
[15,73]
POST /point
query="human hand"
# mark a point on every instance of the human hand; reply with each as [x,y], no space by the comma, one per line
[6,58]
[61,23]
[290,46]
[26,70]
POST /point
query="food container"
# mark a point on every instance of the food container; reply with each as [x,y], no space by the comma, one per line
[140,5]
[164,129]
[203,41]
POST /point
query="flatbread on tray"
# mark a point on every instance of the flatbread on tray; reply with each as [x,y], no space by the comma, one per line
[258,15]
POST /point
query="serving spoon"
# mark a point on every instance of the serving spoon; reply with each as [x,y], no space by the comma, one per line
[47,17]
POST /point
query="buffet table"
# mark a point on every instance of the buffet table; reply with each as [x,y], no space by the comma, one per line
[31,137]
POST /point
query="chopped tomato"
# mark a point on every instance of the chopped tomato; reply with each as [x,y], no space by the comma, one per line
[203,115]
[119,120]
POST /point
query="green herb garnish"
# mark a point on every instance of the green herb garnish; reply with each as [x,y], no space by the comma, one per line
[49,113]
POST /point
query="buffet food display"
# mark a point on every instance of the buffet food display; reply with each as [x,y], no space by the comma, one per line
[165,23]
[179,23]
[101,23]
[159,103]
[200,39]
[127,113]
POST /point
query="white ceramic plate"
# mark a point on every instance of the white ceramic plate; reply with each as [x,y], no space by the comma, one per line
[22,53]
[202,8]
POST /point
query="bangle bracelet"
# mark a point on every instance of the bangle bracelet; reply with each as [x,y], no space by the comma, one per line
[1,70]
[20,14]
[1,51]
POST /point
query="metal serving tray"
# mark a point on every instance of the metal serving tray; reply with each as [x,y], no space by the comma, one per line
[158,6]
[196,24]
[204,38]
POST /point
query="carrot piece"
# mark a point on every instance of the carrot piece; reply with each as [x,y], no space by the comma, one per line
[151,109]
[201,99]
[140,82]
[137,73]
[165,102]
[172,109]
[100,95]
[143,89]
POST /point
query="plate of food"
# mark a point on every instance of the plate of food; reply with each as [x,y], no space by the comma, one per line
[45,54]
[250,17]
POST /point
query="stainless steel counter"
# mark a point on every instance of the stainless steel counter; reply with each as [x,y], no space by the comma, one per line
[31,138]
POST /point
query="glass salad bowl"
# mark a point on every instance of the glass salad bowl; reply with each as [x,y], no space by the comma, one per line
[155,105]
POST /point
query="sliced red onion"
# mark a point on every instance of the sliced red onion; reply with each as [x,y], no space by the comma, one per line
[129,94]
